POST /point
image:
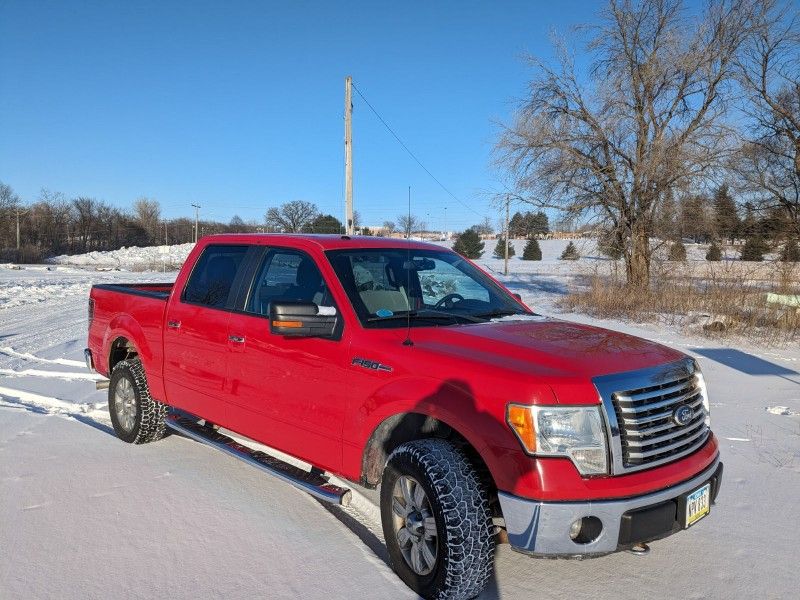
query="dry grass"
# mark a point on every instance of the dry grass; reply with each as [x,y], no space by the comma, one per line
[725,298]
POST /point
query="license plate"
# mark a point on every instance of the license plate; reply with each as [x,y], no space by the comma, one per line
[698,504]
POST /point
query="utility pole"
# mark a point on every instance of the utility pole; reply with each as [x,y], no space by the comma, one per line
[446,237]
[166,239]
[508,204]
[348,154]
[196,220]
[19,212]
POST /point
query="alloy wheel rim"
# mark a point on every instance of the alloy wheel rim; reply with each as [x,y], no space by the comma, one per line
[125,404]
[414,525]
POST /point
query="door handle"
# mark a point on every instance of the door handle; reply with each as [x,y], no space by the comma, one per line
[174,324]
[238,339]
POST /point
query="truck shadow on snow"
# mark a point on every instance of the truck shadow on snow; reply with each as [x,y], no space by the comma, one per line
[746,363]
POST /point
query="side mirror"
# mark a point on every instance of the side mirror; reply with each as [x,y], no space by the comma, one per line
[301,319]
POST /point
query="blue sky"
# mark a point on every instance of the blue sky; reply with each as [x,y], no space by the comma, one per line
[238,106]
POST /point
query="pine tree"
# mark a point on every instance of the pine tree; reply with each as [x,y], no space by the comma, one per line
[538,224]
[532,250]
[754,249]
[469,244]
[570,252]
[714,253]
[500,249]
[726,217]
[516,226]
[677,252]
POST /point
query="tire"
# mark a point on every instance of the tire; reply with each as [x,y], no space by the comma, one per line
[142,419]
[463,550]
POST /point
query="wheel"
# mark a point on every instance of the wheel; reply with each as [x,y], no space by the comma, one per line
[436,520]
[137,418]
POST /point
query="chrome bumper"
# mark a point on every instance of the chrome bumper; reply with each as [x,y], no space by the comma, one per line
[542,528]
[87,356]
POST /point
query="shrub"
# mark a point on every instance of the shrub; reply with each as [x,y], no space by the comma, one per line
[570,252]
[500,249]
[532,250]
[714,253]
[754,249]
[469,244]
[790,252]
[677,252]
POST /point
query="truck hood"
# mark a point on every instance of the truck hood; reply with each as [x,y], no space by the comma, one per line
[550,349]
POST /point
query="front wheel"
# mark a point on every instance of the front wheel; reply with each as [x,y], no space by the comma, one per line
[136,416]
[436,520]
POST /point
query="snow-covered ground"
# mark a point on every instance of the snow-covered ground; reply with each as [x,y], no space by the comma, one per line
[84,515]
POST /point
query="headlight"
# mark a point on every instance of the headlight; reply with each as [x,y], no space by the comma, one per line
[576,432]
[701,384]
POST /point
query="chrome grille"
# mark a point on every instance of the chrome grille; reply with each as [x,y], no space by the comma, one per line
[641,408]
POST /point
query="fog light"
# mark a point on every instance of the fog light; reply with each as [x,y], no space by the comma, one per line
[585,530]
[575,529]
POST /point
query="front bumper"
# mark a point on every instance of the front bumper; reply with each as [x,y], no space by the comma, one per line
[542,528]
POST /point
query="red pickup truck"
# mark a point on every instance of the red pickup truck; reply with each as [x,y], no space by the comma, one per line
[403,365]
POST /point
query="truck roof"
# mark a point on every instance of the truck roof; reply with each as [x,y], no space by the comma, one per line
[323,241]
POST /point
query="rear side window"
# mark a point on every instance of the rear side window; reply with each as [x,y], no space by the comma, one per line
[212,278]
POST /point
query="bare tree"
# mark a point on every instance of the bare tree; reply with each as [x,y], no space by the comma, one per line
[769,70]
[9,203]
[408,224]
[148,213]
[292,216]
[647,119]
[389,226]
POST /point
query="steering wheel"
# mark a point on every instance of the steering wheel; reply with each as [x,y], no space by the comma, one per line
[447,301]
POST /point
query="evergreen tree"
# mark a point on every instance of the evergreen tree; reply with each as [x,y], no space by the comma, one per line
[726,217]
[517,226]
[754,249]
[570,252]
[500,249]
[324,224]
[538,224]
[791,251]
[532,250]
[469,244]
[695,219]
[714,253]
[677,252]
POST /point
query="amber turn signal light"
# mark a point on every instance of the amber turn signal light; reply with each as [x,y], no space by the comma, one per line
[288,324]
[520,419]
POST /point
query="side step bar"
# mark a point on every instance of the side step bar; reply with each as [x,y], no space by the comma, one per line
[313,483]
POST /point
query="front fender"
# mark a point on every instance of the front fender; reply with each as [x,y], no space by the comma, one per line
[453,402]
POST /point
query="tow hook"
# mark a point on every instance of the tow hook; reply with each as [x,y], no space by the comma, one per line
[640,549]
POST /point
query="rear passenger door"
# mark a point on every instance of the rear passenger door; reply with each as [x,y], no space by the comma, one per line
[288,393]
[196,331]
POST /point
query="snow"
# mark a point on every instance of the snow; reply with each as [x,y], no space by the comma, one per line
[89,516]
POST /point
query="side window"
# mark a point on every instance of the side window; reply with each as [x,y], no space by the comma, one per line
[287,276]
[212,277]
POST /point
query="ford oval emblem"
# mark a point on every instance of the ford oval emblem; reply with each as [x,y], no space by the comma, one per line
[683,414]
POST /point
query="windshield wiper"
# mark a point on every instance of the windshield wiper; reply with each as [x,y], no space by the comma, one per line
[427,314]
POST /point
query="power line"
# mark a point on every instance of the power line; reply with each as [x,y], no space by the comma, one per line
[412,155]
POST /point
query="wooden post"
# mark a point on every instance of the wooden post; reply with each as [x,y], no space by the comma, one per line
[348,155]
[196,221]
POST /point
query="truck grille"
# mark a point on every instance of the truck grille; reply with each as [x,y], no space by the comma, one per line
[660,416]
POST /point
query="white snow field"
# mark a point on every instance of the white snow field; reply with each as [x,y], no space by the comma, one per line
[83,515]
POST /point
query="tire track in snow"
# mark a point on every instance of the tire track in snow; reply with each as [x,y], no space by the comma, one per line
[67,362]
[48,404]
[67,376]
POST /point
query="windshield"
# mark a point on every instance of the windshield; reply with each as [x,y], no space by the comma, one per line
[389,287]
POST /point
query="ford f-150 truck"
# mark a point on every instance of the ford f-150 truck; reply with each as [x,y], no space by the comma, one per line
[403,365]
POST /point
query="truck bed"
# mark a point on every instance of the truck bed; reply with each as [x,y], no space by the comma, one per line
[160,291]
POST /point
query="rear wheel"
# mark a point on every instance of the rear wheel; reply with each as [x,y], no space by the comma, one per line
[436,520]
[137,418]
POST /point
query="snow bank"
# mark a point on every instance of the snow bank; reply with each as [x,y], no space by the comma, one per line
[133,258]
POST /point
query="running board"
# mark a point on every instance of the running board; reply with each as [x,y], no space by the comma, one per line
[313,483]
